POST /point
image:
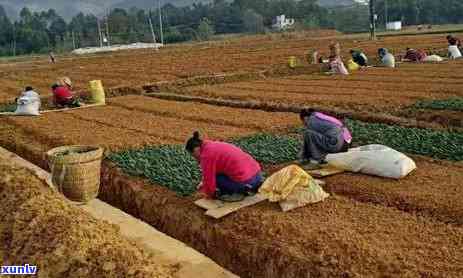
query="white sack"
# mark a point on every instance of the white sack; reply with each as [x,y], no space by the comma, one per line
[377,160]
[28,107]
[433,58]
[454,52]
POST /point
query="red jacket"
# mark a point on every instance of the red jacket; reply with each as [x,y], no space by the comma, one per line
[62,95]
[223,158]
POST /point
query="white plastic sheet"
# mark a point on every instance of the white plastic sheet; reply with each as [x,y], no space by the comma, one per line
[377,160]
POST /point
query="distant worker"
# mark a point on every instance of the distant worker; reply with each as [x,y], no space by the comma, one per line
[413,55]
[455,47]
[322,135]
[63,95]
[335,63]
[227,171]
[454,41]
[386,58]
[335,49]
[336,66]
[359,58]
[52,57]
[315,57]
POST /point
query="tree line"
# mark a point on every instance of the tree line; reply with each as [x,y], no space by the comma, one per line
[40,32]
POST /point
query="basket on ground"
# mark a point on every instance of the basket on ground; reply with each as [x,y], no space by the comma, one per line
[76,171]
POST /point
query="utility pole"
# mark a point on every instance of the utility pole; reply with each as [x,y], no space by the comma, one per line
[386,16]
[107,29]
[160,21]
[417,19]
[73,40]
[372,20]
[14,39]
[99,32]
[151,26]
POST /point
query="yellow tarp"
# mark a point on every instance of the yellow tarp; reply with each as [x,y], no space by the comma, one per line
[280,185]
[292,187]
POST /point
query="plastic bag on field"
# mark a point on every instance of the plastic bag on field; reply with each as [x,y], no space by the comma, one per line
[292,187]
[433,58]
[27,107]
[377,160]
[352,66]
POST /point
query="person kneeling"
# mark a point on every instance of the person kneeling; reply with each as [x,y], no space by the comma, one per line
[228,173]
[386,59]
[323,135]
[62,94]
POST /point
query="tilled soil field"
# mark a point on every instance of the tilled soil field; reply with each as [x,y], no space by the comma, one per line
[136,121]
[434,189]
[136,68]
[371,227]
[336,238]
[253,119]
[57,129]
[373,89]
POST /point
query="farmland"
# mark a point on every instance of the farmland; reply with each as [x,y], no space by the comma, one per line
[133,69]
[369,227]
[374,89]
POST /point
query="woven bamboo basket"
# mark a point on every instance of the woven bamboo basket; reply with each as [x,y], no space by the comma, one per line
[76,171]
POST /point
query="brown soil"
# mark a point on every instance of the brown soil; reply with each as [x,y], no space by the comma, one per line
[296,108]
[336,238]
[57,129]
[433,190]
[373,90]
[41,228]
[244,118]
[447,118]
[136,121]
[137,68]
[171,129]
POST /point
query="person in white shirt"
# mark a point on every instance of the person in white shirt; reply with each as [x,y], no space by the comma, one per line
[386,58]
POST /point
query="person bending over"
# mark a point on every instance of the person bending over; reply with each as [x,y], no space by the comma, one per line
[322,135]
[386,59]
[359,58]
[226,169]
[62,94]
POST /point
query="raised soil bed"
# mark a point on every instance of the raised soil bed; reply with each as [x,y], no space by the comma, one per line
[376,90]
[338,238]
[136,68]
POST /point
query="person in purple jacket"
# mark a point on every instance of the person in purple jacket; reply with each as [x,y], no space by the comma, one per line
[323,135]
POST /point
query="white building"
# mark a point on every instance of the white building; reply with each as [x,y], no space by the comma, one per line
[394,26]
[282,23]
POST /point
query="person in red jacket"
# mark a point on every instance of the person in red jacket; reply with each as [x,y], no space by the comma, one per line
[227,170]
[414,55]
[62,94]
